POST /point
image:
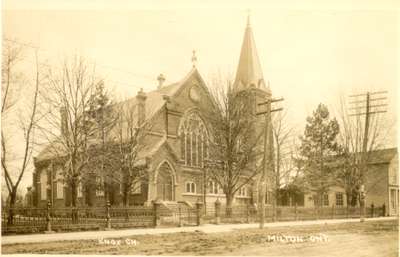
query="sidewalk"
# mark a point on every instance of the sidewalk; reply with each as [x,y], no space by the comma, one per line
[207,228]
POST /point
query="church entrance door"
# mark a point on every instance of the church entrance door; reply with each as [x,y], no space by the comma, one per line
[164,183]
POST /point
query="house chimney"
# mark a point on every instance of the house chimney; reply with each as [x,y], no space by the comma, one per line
[161,80]
[141,106]
[64,121]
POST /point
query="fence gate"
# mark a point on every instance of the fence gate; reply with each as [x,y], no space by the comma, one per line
[177,214]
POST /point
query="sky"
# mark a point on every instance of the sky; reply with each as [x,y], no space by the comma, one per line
[308,55]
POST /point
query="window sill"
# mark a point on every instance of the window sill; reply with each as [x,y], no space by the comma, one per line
[192,168]
[216,195]
[191,194]
[243,197]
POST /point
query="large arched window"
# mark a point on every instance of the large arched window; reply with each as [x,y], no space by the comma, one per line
[194,140]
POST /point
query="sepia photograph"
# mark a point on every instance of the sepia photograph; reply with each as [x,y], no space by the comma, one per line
[191,128]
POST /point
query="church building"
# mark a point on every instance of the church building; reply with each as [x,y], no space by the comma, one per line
[176,147]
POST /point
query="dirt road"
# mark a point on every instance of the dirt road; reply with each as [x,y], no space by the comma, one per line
[351,239]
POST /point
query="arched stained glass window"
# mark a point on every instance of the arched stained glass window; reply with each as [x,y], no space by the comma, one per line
[194,140]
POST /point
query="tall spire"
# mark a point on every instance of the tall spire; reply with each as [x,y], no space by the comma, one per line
[249,72]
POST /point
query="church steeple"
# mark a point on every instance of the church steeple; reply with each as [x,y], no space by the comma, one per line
[249,73]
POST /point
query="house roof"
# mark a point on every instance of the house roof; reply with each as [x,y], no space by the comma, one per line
[154,103]
[382,155]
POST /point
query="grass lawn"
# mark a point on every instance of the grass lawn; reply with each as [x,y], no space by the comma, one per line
[377,238]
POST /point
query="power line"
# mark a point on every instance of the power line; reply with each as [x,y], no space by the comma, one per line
[368,111]
[148,77]
[128,72]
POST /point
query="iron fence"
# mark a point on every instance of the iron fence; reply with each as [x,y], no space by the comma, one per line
[33,220]
[250,213]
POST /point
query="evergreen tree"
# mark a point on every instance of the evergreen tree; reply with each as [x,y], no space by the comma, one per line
[103,118]
[317,152]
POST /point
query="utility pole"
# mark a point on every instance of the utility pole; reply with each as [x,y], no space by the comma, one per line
[371,107]
[267,154]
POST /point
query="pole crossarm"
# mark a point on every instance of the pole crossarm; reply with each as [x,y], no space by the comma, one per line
[371,106]
[364,113]
[369,93]
[271,101]
[378,92]
[378,99]
[274,110]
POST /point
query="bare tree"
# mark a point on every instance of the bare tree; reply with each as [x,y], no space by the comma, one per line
[130,132]
[67,99]
[283,150]
[10,78]
[233,153]
[350,173]
[15,161]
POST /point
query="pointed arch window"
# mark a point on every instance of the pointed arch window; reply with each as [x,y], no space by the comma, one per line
[194,139]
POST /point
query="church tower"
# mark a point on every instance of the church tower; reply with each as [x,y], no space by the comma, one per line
[249,81]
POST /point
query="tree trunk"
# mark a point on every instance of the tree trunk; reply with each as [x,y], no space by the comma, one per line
[126,196]
[348,198]
[13,199]
[74,195]
[229,201]
[105,186]
[353,198]
[74,200]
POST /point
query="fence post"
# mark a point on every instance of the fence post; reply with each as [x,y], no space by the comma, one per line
[315,212]
[372,210]
[248,213]
[48,219]
[156,210]
[126,213]
[180,224]
[347,211]
[295,211]
[108,217]
[274,210]
[217,211]
[199,205]
[383,209]
[333,211]
[74,214]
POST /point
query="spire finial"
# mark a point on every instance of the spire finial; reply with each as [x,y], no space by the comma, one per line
[248,17]
[161,80]
[194,59]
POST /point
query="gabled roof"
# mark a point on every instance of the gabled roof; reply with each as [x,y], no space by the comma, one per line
[50,151]
[379,156]
[152,148]
[382,156]
[154,103]
[155,99]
